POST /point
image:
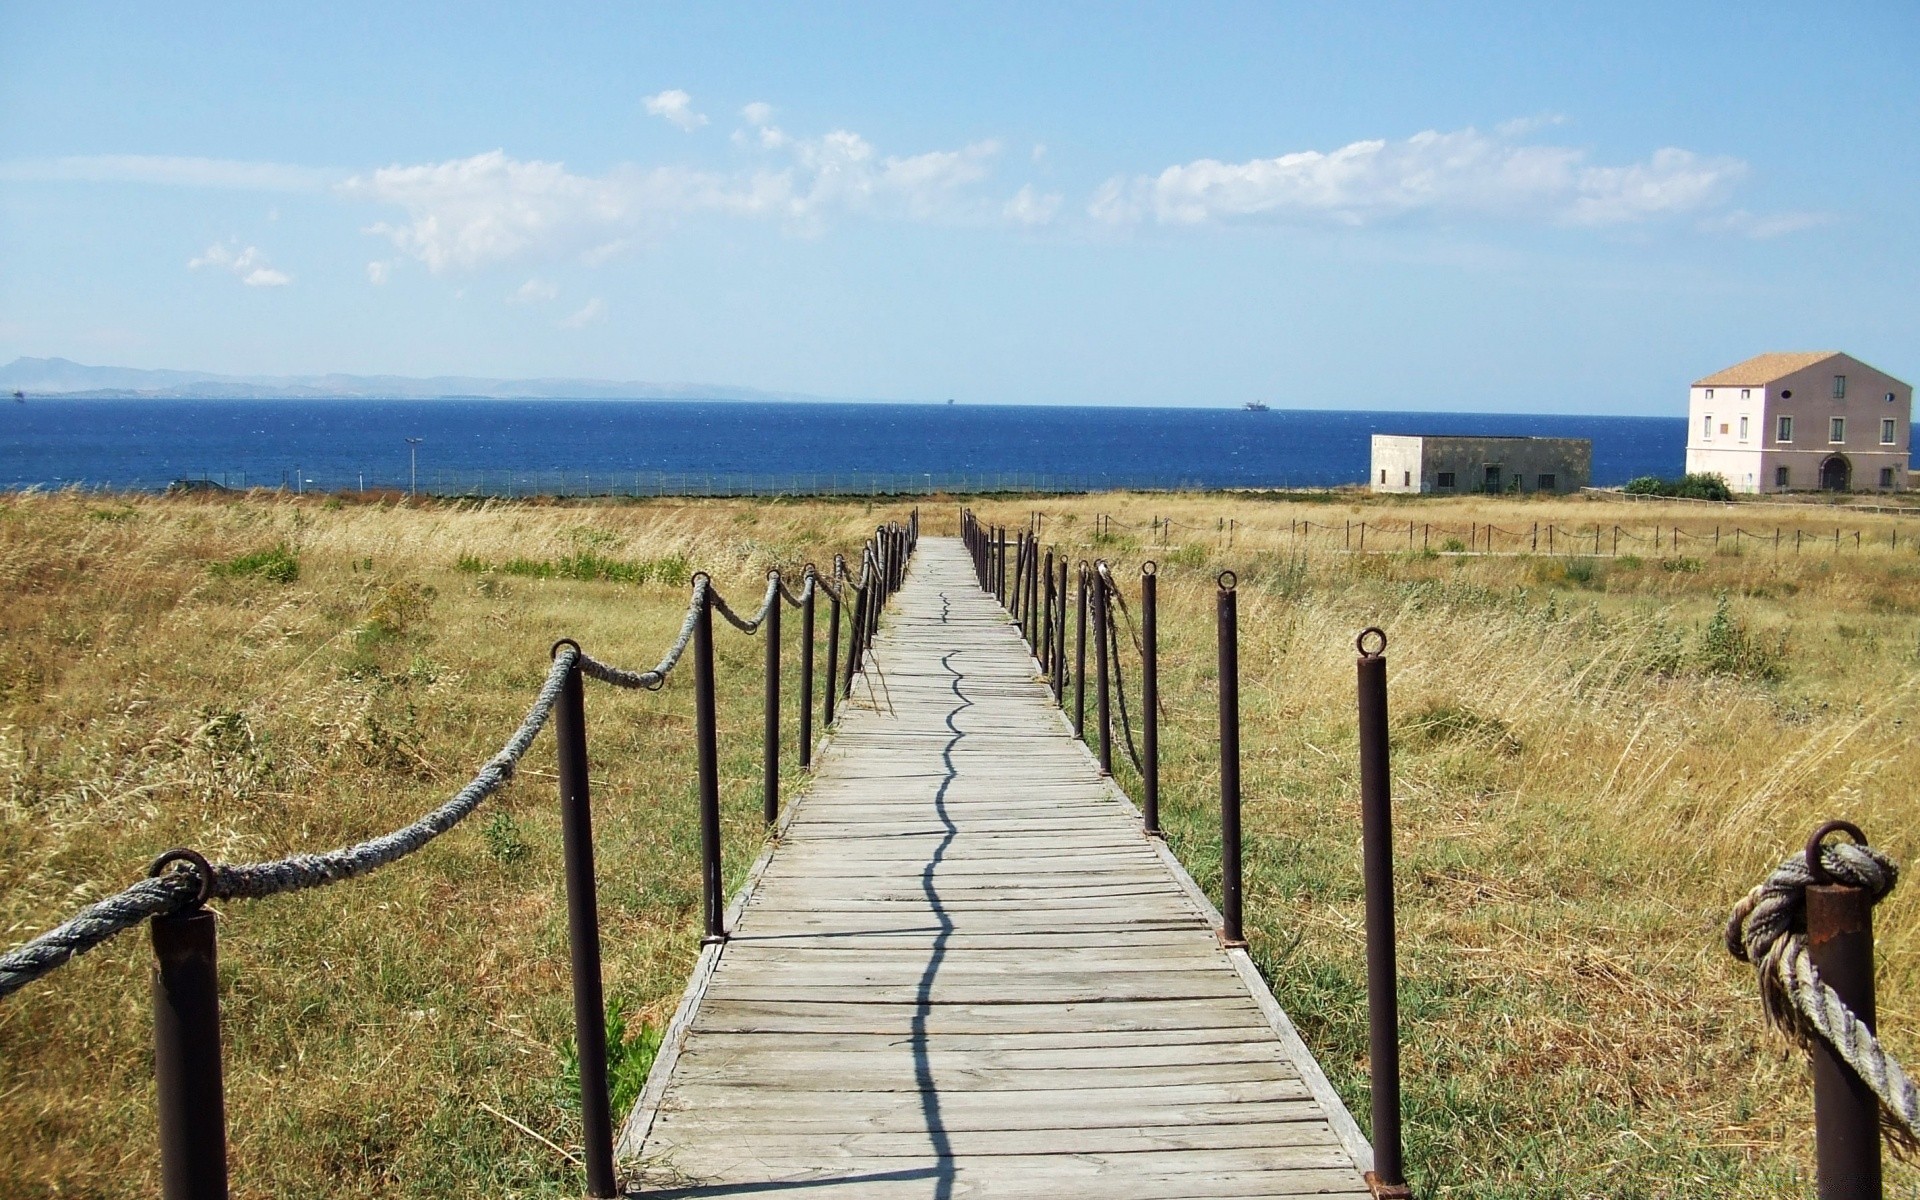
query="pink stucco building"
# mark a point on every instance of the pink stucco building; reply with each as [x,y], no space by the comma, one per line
[1799,422]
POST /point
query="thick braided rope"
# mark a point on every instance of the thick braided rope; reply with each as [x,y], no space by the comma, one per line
[176,890]
[1119,675]
[653,680]
[748,624]
[1763,931]
[796,599]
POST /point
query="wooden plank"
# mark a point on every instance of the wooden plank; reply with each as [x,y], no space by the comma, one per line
[963,971]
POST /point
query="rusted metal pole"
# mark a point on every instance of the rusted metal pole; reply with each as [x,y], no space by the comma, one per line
[1080,660]
[1060,636]
[1102,618]
[706,734]
[189,1087]
[583,931]
[1227,625]
[770,725]
[1846,1115]
[1388,1178]
[1150,695]
[1046,619]
[809,588]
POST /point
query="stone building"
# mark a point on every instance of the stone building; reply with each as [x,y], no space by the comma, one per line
[1801,421]
[1447,464]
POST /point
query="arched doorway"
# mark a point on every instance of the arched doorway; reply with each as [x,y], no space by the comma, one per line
[1836,474]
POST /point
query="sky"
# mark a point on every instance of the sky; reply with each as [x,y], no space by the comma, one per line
[1545,208]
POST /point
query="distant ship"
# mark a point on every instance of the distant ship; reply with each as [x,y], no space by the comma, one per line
[1255,406]
[19,397]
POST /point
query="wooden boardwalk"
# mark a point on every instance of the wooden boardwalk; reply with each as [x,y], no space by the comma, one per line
[963,971]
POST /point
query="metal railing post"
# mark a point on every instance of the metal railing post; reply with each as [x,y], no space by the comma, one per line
[1046,619]
[706,733]
[833,635]
[1060,635]
[1388,1179]
[1227,625]
[770,727]
[1846,1114]
[1150,695]
[1102,618]
[189,1086]
[583,930]
[808,589]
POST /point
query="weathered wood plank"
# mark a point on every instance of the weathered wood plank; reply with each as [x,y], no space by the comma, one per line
[964,972]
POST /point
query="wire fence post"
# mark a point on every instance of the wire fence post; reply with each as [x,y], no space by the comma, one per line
[706,732]
[190,1091]
[1102,618]
[770,728]
[1388,1178]
[1150,695]
[1227,622]
[583,931]
[1846,1114]
[808,590]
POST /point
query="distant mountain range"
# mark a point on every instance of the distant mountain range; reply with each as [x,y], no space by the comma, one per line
[71,380]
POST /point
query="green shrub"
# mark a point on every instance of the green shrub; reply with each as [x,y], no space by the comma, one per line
[1727,648]
[276,563]
[1699,486]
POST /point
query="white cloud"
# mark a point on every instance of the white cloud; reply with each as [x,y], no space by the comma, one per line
[757,113]
[1039,152]
[378,272]
[534,291]
[592,311]
[1761,226]
[170,171]
[473,212]
[676,107]
[247,264]
[1031,208]
[1463,173]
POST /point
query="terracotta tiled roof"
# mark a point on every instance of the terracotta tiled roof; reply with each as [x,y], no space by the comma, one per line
[1763,369]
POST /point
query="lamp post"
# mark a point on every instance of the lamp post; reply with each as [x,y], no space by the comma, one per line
[413,467]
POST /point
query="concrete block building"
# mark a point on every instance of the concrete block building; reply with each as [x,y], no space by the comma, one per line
[1799,422]
[1447,464]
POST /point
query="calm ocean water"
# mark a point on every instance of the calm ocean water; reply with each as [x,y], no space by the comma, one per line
[647,445]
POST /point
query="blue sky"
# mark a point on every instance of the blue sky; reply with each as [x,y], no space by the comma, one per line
[1523,208]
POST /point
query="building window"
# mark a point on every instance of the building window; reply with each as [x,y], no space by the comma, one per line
[1780,477]
[1886,477]
[1746,393]
[1706,427]
[1887,429]
[1839,387]
[1444,479]
[1785,432]
[1383,474]
[1889,397]
[1546,483]
[1743,429]
[1723,428]
[1709,393]
[1837,429]
[1406,479]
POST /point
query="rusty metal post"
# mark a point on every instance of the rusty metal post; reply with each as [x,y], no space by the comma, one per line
[833,637]
[1846,1114]
[189,1086]
[1019,584]
[1046,619]
[1227,624]
[1000,568]
[1150,695]
[1388,1178]
[809,589]
[706,733]
[583,931]
[1103,705]
[1080,660]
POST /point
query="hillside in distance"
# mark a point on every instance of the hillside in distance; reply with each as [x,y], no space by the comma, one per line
[71,380]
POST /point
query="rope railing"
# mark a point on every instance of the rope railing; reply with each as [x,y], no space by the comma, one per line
[188,1058]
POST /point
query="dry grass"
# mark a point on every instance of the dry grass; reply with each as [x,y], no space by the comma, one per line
[1586,777]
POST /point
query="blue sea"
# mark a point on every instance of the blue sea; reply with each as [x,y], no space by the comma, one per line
[644,447]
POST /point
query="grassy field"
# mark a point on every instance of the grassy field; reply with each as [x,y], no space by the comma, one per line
[1594,756]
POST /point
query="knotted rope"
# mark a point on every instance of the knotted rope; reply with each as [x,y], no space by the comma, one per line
[1766,930]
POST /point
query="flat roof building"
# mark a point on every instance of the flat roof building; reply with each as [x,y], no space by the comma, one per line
[1801,421]
[1450,464]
